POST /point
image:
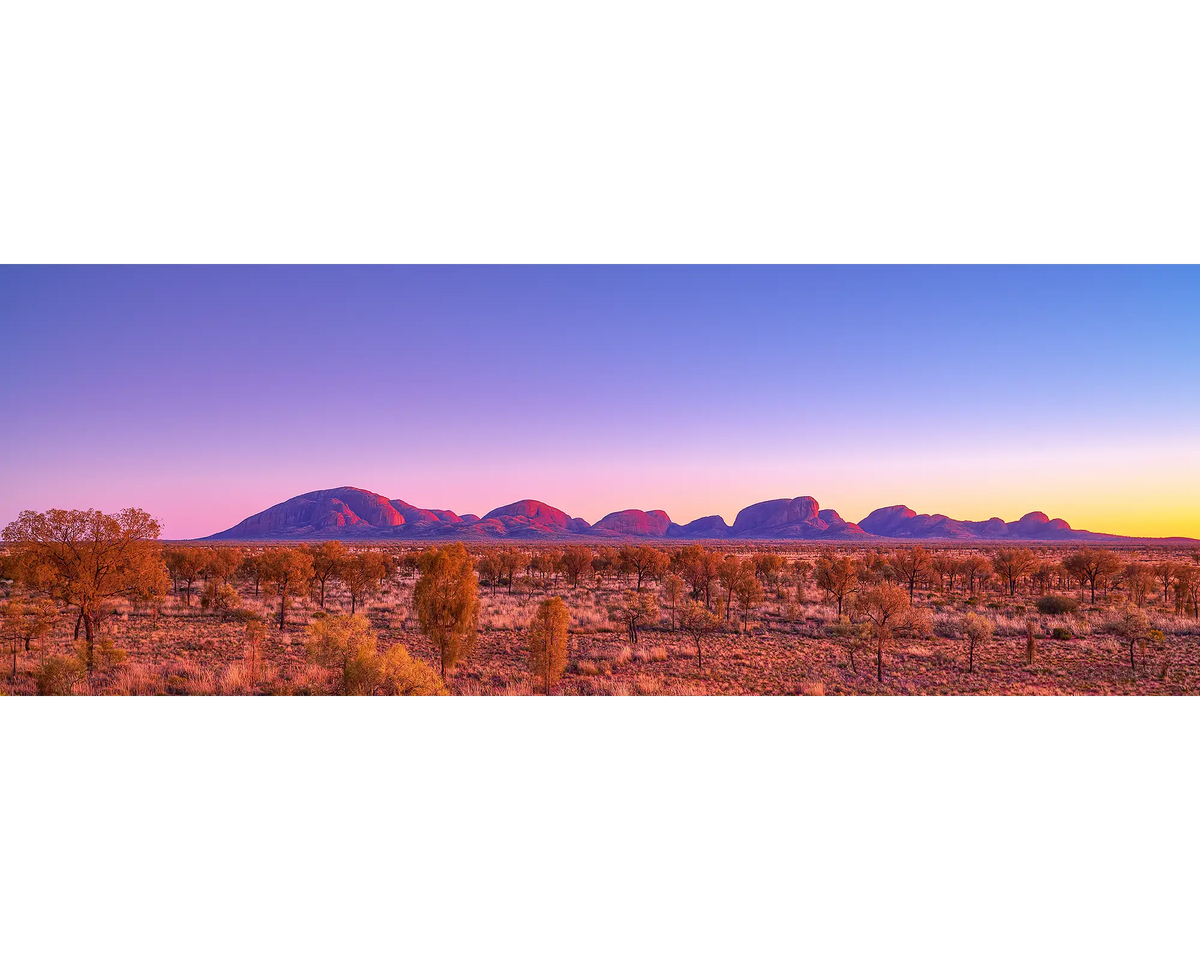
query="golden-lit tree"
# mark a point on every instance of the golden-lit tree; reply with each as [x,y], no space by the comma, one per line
[911,564]
[976,631]
[1130,626]
[548,642]
[634,610]
[644,562]
[347,646]
[976,568]
[885,607]
[1138,579]
[327,559]
[185,564]
[576,561]
[698,567]
[286,571]
[1093,566]
[699,623]
[749,593]
[22,622]
[446,600]
[256,634]
[838,577]
[733,573]
[85,559]
[673,590]
[1012,564]
[361,573]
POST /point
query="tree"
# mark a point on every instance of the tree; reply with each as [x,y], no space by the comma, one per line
[644,561]
[221,563]
[635,610]
[976,568]
[1093,566]
[767,567]
[732,572]
[1165,573]
[361,573]
[186,564]
[576,561]
[327,559]
[85,559]
[976,630]
[548,642]
[251,569]
[446,600]
[256,633]
[910,565]
[1130,626]
[749,592]
[884,606]
[838,577]
[698,567]
[1013,564]
[698,622]
[511,561]
[489,569]
[1138,581]
[673,590]
[285,570]
[21,623]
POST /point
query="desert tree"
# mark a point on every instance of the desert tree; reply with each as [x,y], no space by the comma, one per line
[1138,579]
[698,567]
[185,564]
[446,600]
[646,562]
[634,610]
[361,573]
[851,637]
[768,567]
[489,568]
[884,606]
[327,559]
[976,569]
[699,623]
[1130,626]
[22,622]
[251,569]
[976,630]
[285,571]
[1164,572]
[256,634]
[576,561]
[1093,566]
[85,560]
[732,572]
[673,591]
[1012,564]
[749,593]
[547,635]
[910,564]
[838,577]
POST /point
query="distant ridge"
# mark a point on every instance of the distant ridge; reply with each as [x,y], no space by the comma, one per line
[354,513]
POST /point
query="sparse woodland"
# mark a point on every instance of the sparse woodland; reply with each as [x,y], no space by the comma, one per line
[97,604]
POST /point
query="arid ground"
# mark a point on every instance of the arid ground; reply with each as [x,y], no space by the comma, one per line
[785,638]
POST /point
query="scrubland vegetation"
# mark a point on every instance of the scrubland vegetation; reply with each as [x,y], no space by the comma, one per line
[96,604]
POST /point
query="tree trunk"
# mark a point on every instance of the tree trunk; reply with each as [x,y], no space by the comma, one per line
[879,662]
[89,630]
[971,658]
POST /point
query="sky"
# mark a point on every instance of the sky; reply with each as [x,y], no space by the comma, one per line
[206,394]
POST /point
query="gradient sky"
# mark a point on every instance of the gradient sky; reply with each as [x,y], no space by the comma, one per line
[205,394]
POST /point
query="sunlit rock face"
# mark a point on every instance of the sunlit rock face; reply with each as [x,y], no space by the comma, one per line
[635,523]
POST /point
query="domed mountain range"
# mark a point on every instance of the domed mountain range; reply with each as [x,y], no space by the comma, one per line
[352,513]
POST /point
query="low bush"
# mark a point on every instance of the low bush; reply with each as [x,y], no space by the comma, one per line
[1052,605]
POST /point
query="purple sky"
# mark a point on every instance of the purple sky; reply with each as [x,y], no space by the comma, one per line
[207,394]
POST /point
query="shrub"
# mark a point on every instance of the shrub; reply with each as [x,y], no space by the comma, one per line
[1060,633]
[58,675]
[1052,605]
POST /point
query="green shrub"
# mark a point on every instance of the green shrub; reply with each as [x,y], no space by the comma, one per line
[1052,605]
[1060,633]
[57,676]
